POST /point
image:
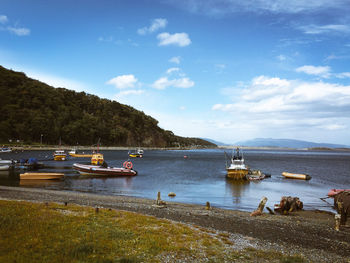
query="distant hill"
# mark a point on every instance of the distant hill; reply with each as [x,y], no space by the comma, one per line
[31,110]
[216,142]
[289,143]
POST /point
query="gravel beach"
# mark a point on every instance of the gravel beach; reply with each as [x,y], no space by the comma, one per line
[307,233]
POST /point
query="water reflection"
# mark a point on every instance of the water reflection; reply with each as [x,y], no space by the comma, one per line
[236,188]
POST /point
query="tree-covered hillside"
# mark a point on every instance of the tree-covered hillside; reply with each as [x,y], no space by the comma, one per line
[30,108]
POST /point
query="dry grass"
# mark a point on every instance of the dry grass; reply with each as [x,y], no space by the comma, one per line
[36,232]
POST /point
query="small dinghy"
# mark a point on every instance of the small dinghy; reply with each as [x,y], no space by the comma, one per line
[85,169]
[41,176]
[334,192]
[296,176]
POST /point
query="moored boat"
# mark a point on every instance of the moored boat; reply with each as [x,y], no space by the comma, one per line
[41,176]
[97,159]
[5,167]
[75,153]
[334,192]
[237,169]
[296,176]
[136,154]
[6,149]
[85,169]
[59,155]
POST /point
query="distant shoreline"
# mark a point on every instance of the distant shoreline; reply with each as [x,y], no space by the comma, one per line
[121,148]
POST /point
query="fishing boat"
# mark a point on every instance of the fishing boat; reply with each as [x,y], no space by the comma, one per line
[126,170]
[237,170]
[41,176]
[136,154]
[97,159]
[75,153]
[59,155]
[296,176]
[334,192]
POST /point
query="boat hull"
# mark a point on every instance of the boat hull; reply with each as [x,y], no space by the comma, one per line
[101,171]
[296,176]
[334,192]
[237,174]
[5,167]
[60,157]
[80,155]
[41,176]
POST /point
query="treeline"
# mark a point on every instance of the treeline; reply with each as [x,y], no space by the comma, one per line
[30,109]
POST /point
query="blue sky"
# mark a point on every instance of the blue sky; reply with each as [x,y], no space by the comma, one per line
[226,70]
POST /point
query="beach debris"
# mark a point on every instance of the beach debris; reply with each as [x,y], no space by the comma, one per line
[65,203]
[207,206]
[159,202]
[270,211]
[289,204]
[337,218]
[342,205]
[97,210]
[171,194]
[261,206]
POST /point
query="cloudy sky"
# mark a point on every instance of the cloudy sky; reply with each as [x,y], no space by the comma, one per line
[227,70]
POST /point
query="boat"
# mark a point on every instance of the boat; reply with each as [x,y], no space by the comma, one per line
[255,175]
[3,162]
[97,170]
[5,167]
[136,154]
[334,192]
[237,170]
[41,176]
[97,159]
[59,155]
[75,153]
[6,149]
[30,164]
[296,176]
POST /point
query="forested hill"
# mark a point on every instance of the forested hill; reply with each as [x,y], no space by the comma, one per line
[29,108]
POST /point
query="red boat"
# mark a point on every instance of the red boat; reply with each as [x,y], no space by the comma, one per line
[85,169]
[334,192]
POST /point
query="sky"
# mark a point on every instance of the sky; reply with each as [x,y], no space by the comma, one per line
[227,70]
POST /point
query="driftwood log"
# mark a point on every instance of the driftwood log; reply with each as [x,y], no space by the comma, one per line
[342,205]
[261,206]
[289,204]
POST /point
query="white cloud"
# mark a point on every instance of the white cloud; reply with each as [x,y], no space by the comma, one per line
[172,70]
[343,75]
[164,82]
[320,71]
[19,31]
[221,7]
[130,92]
[175,60]
[281,58]
[177,39]
[3,19]
[123,81]
[316,29]
[156,24]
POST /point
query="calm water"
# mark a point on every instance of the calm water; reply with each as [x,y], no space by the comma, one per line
[201,177]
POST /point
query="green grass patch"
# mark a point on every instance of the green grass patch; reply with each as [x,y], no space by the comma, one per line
[35,232]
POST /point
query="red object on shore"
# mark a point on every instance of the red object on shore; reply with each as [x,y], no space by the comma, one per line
[334,192]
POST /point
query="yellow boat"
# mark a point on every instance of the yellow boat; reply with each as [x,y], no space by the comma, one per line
[74,153]
[237,170]
[41,176]
[59,155]
[97,159]
[296,176]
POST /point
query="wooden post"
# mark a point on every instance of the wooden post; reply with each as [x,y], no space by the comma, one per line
[158,198]
[96,210]
[337,221]
[261,206]
[207,206]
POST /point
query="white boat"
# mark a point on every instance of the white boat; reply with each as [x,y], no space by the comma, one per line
[6,150]
[3,162]
[59,155]
[237,169]
[5,167]
[126,170]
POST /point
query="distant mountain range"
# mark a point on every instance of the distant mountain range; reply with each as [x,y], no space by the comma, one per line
[288,143]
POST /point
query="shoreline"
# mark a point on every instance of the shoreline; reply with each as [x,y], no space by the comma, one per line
[120,148]
[310,233]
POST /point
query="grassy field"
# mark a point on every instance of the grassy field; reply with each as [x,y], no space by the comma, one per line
[50,232]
